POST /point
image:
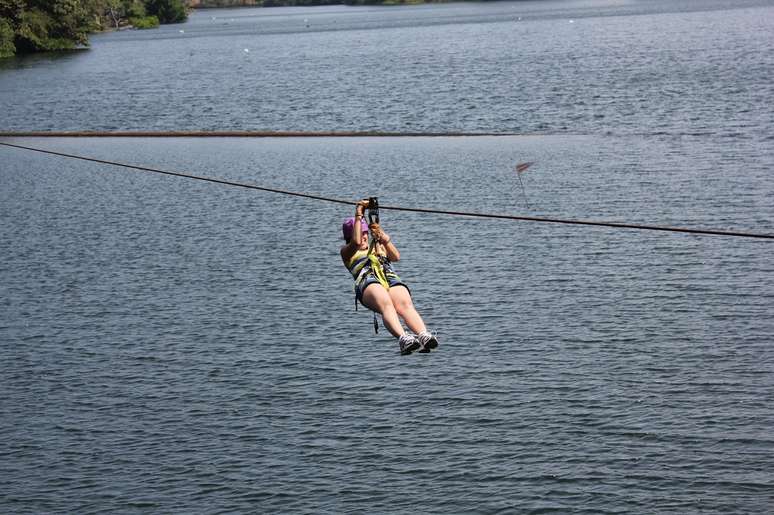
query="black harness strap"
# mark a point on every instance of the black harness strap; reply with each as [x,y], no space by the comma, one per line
[373,218]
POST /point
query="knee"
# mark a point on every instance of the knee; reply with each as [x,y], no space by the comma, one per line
[403,306]
[377,300]
[385,305]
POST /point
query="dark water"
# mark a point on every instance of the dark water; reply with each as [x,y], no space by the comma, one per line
[173,346]
[657,66]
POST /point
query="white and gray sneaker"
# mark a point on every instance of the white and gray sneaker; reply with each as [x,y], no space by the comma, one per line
[427,341]
[408,343]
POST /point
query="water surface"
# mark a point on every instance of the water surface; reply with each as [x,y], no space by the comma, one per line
[171,345]
[176,346]
[632,67]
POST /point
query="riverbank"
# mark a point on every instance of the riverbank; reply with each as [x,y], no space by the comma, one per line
[49,28]
[219,4]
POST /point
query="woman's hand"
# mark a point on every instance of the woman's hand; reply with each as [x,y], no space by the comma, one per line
[385,241]
[378,233]
[361,207]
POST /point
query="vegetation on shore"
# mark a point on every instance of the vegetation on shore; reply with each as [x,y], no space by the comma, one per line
[47,25]
[28,26]
[286,3]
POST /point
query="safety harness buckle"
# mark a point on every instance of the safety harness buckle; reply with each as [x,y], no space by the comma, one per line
[373,210]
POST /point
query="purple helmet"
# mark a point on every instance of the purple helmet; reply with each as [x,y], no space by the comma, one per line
[349,223]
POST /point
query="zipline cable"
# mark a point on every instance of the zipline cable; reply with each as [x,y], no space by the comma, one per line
[614,225]
[178,174]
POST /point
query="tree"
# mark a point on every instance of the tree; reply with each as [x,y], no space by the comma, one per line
[11,9]
[167,11]
[115,10]
[46,25]
[10,13]
[7,48]
[43,25]
[135,9]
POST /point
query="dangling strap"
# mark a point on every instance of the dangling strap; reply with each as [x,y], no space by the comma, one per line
[376,264]
[378,270]
[376,321]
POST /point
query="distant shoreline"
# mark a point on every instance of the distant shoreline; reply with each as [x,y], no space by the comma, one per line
[227,4]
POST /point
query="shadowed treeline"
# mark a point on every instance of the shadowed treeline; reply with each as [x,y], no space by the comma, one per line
[28,26]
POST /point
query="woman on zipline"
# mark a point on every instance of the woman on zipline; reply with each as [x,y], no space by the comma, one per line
[377,286]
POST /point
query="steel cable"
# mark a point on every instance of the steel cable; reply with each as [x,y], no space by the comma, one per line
[614,225]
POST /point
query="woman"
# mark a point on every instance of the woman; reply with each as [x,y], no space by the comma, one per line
[377,285]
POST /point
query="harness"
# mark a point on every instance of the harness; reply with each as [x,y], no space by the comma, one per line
[375,264]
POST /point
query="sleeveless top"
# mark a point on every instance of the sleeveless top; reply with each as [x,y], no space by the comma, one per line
[363,263]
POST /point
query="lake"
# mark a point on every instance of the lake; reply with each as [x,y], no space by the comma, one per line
[176,346]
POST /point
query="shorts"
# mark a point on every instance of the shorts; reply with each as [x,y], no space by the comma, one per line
[368,279]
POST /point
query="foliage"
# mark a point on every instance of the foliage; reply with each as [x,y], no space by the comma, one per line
[135,9]
[46,25]
[144,22]
[50,25]
[167,11]
[11,9]
[7,48]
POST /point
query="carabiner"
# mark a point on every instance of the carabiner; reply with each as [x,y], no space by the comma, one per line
[373,210]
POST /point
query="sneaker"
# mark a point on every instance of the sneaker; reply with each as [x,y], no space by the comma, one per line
[408,344]
[427,341]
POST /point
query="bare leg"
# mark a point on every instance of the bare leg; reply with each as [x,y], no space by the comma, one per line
[401,299]
[376,298]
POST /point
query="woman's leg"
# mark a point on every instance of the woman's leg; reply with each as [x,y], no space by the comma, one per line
[376,298]
[401,300]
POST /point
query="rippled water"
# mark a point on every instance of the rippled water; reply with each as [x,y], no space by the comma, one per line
[659,66]
[178,346]
[173,346]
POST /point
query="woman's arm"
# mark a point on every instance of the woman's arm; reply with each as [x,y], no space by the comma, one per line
[357,232]
[348,250]
[386,242]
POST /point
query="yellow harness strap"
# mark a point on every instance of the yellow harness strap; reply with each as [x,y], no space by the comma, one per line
[376,266]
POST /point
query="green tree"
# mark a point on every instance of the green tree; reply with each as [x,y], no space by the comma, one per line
[42,25]
[115,11]
[135,9]
[138,16]
[167,11]
[7,47]
[11,10]
[45,25]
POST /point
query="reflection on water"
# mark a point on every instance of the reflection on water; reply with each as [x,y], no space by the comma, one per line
[40,60]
